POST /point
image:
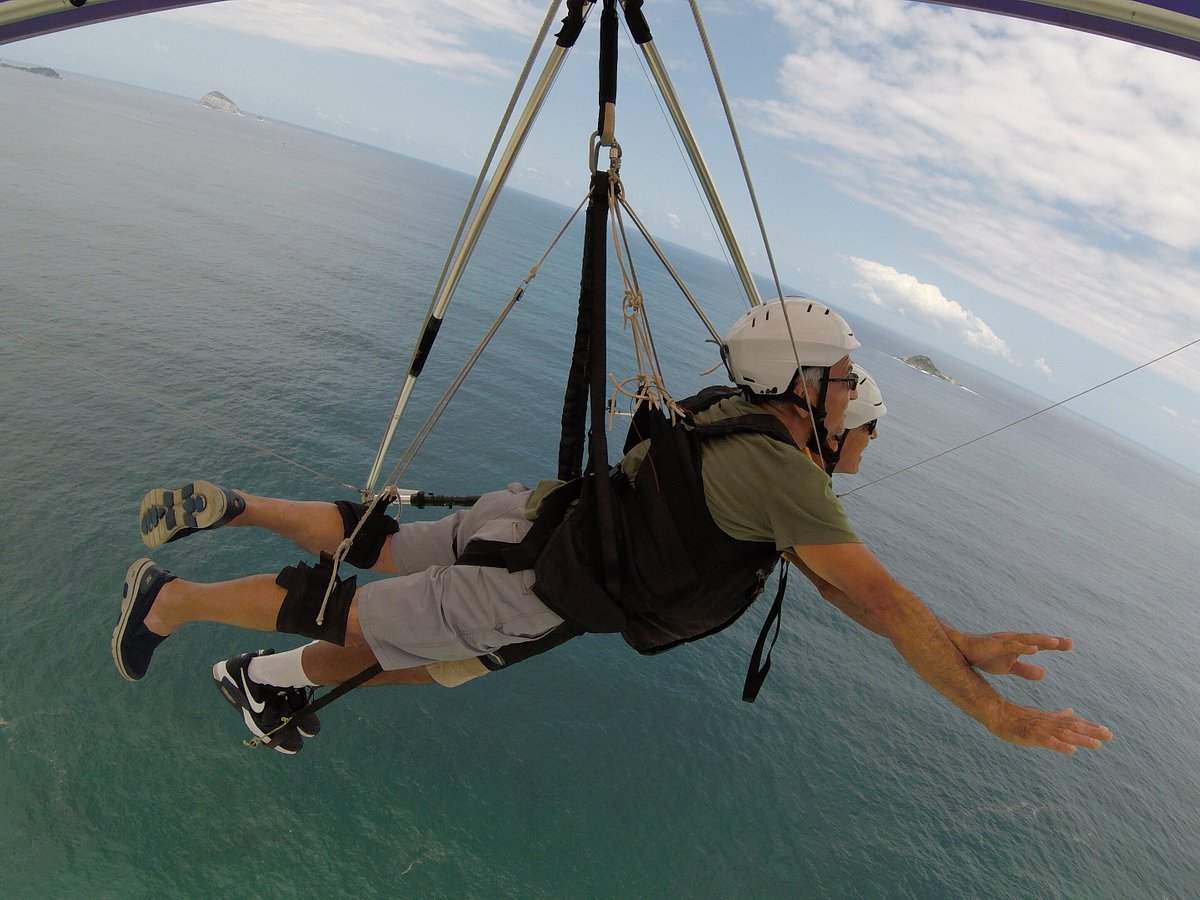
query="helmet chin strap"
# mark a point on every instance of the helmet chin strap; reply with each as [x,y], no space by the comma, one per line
[816,414]
[831,456]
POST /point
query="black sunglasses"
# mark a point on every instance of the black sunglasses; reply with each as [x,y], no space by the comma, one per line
[851,380]
[871,426]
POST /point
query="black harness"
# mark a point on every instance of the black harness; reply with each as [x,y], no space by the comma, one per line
[680,577]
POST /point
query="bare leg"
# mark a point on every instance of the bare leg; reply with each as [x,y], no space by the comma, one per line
[313,525]
[253,602]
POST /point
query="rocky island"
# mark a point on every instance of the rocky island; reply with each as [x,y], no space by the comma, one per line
[217,100]
[45,71]
[925,364]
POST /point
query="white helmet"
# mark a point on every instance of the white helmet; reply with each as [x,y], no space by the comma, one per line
[760,350]
[868,405]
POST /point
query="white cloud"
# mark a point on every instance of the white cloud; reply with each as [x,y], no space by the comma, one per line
[1184,421]
[1044,367]
[1054,169]
[450,35]
[674,221]
[885,286]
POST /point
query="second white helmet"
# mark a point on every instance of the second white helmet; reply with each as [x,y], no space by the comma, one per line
[868,405]
[762,350]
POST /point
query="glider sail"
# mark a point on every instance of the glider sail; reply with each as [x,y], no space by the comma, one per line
[1170,25]
[21,19]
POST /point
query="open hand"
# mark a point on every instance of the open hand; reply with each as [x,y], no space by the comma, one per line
[1000,652]
[1061,731]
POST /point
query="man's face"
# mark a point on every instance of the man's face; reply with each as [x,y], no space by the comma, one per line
[854,442]
[837,396]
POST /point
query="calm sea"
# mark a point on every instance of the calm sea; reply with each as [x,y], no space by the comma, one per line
[167,271]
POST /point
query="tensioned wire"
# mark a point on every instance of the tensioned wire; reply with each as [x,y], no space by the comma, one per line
[1023,418]
[737,141]
[426,428]
[522,79]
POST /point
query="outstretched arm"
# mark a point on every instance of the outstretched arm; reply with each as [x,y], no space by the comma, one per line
[997,653]
[902,618]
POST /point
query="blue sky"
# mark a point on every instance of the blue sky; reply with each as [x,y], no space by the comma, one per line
[1024,197]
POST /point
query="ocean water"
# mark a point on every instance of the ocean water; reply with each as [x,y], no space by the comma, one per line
[167,271]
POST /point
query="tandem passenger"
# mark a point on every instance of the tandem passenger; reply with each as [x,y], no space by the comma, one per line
[706,505]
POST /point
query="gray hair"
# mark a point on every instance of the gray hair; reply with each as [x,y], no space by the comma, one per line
[812,375]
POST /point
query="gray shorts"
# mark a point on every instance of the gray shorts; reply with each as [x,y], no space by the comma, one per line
[436,611]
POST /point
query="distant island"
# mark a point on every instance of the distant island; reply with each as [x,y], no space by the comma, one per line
[45,71]
[925,364]
[217,100]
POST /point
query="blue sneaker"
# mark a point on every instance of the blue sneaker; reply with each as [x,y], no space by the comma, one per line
[168,515]
[264,706]
[132,642]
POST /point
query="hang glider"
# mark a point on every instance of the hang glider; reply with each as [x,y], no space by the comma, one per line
[20,19]
[1170,25]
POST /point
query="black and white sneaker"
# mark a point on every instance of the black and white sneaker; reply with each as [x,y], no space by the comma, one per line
[264,706]
[168,514]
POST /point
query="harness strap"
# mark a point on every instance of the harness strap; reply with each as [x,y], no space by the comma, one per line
[760,665]
[515,653]
[321,702]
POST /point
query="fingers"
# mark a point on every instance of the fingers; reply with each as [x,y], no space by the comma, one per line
[1038,640]
[1028,671]
[1061,731]
[1067,732]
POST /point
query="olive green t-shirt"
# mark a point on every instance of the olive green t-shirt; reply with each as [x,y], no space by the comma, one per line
[760,489]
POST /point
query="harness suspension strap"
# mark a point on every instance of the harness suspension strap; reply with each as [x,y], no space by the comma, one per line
[589,352]
[608,74]
[603,186]
[574,413]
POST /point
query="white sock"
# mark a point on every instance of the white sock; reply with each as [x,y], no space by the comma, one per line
[280,669]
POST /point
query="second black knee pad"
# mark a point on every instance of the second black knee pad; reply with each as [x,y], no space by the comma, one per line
[306,587]
[364,552]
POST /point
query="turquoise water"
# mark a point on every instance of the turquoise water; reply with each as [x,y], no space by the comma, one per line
[271,280]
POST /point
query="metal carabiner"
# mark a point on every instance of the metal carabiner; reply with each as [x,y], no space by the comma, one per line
[614,154]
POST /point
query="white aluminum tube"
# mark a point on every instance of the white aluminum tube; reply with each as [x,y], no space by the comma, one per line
[442,299]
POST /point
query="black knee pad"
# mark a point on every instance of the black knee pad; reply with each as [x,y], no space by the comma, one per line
[306,586]
[364,552]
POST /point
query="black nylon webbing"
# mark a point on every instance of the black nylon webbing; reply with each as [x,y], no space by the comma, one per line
[571,25]
[589,347]
[332,694]
[608,60]
[756,674]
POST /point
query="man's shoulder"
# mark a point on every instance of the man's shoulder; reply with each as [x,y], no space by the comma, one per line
[731,407]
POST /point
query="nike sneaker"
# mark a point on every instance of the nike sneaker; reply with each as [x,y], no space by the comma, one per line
[264,706]
[168,515]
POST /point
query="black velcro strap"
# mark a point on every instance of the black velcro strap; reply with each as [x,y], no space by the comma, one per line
[515,653]
[484,553]
[306,586]
[760,663]
[365,550]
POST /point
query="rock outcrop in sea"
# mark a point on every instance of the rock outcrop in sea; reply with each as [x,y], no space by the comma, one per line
[217,100]
[925,364]
[33,70]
